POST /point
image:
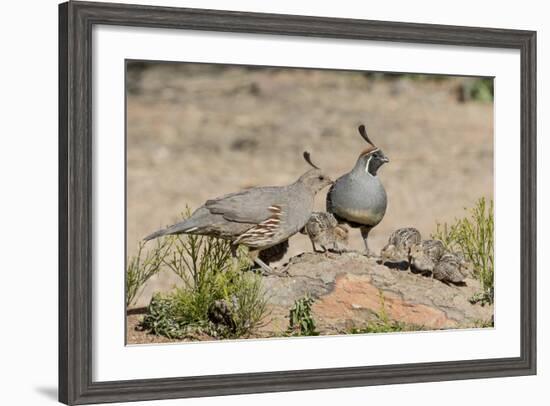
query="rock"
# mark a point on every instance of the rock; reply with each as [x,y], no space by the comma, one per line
[351,290]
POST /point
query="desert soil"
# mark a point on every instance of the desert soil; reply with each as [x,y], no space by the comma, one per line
[195,132]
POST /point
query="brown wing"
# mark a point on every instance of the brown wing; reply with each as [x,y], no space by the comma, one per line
[262,234]
[249,206]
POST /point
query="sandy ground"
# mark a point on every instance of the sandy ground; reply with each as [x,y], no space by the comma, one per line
[197,132]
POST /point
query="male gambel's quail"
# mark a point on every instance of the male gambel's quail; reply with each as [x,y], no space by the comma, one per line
[397,251]
[450,268]
[259,217]
[425,256]
[323,229]
[358,197]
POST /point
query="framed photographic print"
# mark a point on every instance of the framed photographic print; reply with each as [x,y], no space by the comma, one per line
[259,202]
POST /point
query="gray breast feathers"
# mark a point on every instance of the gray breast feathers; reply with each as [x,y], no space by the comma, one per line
[358,200]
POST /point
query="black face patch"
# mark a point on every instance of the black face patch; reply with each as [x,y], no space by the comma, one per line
[374,161]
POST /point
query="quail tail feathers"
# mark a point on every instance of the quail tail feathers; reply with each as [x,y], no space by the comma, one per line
[194,223]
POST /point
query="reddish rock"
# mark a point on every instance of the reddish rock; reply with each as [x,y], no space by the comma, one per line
[351,290]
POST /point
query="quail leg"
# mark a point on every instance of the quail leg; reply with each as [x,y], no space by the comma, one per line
[336,248]
[319,251]
[254,257]
[365,234]
[266,268]
[313,246]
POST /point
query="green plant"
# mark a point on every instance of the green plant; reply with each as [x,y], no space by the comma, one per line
[249,303]
[141,268]
[243,299]
[218,296]
[195,258]
[480,89]
[484,323]
[301,322]
[187,313]
[382,322]
[484,297]
[473,236]
[379,326]
[161,318]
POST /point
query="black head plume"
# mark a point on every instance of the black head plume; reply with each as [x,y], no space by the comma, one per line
[307,157]
[363,132]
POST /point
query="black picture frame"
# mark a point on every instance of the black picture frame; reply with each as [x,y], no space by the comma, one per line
[76,20]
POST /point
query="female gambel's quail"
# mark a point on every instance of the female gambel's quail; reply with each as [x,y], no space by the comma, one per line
[358,197]
[323,229]
[259,217]
[396,252]
[425,255]
[450,268]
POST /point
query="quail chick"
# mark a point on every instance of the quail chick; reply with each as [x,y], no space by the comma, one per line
[275,253]
[358,197]
[405,238]
[394,257]
[396,253]
[450,269]
[221,313]
[323,229]
[259,217]
[425,255]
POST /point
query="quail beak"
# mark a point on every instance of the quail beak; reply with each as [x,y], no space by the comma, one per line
[328,181]
[385,159]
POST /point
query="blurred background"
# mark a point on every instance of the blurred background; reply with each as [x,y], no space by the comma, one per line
[198,131]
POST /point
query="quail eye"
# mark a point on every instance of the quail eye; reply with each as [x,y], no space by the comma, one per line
[321,178]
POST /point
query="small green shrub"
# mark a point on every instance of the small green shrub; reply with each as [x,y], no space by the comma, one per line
[382,323]
[484,323]
[161,318]
[187,313]
[233,305]
[479,89]
[473,236]
[196,258]
[380,326]
[249,302]
[218,296]
[141,268]
[301,322]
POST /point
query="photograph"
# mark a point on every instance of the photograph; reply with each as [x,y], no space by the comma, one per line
[277,202]
[280,203]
